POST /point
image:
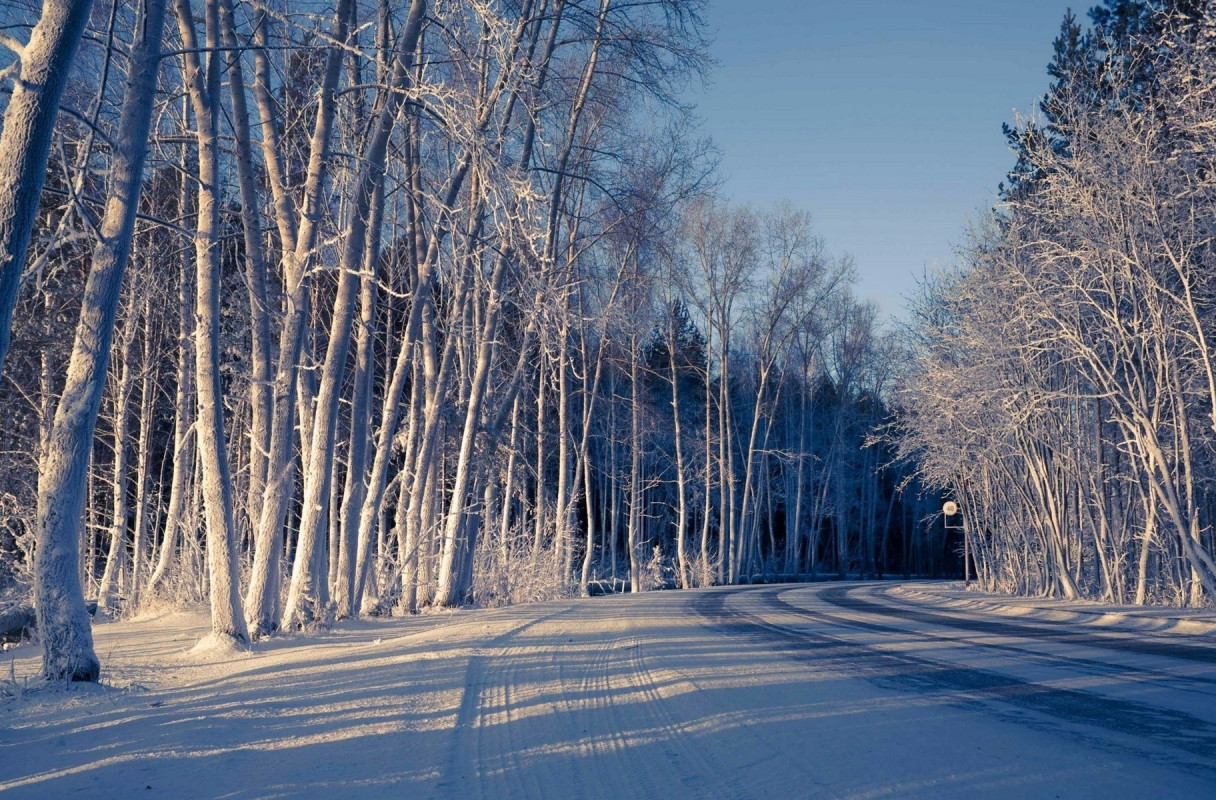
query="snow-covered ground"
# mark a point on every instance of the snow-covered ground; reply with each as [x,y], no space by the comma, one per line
[859,690]
[1085,612]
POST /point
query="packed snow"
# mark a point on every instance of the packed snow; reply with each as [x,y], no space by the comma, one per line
[850,690]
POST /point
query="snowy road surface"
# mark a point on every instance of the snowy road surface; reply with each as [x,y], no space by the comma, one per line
[829,690]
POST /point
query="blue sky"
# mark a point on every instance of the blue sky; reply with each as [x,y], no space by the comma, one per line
[881,118]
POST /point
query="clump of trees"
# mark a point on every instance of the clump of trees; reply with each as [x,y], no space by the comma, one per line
[371,306]
[1064,390]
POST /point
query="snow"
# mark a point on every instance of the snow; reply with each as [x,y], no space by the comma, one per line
[857,690]
[1083,612]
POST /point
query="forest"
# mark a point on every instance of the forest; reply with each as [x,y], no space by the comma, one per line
[1064,389]
[314,310]
[317,310]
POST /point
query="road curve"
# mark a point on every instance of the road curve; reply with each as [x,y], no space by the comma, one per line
[831,690]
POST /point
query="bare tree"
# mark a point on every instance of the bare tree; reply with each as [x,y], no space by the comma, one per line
[62,617]
[203,83]
[44,63]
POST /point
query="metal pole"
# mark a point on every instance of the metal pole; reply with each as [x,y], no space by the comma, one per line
[966,558]
[949,509]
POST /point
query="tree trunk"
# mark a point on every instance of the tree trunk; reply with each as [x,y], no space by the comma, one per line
[260,397]
[143,456]
[637,582]
[319,471]
[63,620]
[445,594]
[183,427]
[118,517]
[298,242]
[682,565]
[355,491]
[25,140]
[227,620]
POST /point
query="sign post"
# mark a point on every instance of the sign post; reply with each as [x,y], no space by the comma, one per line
[949,509]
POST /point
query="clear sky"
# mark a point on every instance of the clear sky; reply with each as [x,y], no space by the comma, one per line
[882,118]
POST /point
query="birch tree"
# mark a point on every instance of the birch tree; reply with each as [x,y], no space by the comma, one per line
[43,66]
[202,80]
[62,617]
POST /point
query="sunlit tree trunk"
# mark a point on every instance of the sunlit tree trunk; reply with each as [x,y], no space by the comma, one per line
[299,238]
[25,140]
[227,620]
[183,425]
[143,455]
[260,398]
[63,621]
[637,581]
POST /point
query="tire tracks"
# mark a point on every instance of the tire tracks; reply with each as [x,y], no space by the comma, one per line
[469,732]
[608,730]
[673,735]
[843,597]
[623,716]
[1183,739]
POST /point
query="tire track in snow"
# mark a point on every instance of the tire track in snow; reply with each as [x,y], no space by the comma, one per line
[666,730]
[605,748]
[610,715]
[595,719]
[723,784]
[1184,740]
[465,769]
[845,598]
[634,719]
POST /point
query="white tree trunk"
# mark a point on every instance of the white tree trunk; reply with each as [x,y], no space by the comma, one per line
[260,397]
[183,413]
[63,621]
[298,241]
[25,140]
[116,556]
[143,456]
[227,620]
[302,594]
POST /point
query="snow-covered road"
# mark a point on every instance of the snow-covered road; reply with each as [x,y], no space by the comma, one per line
[828,690]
